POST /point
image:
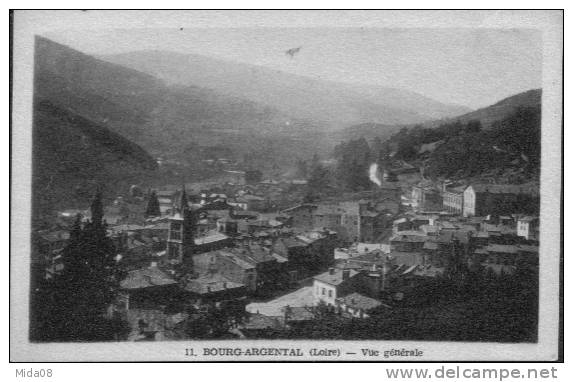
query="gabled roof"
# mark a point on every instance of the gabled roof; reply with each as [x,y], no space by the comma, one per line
[335,278]
[253,254]
[289,242]
[211,237]
[210,284]
[146,278]
[234,258]
[409,237]
[279,258]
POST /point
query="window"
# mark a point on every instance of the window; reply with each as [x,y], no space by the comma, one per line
[330,293]
[175,231]
[173,252]
[293,276]
[323,291]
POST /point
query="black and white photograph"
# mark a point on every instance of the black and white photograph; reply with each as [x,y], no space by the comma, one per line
[286,185]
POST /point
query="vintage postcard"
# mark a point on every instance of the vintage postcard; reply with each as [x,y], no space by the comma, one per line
[286,185]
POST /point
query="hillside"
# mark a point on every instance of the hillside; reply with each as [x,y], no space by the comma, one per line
[500,110]
[165,119]
[105,93]
[336,104]
[101,123]
[487,116]
[500,143]
[73,155]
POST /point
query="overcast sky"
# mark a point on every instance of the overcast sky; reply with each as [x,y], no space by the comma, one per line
[471,67]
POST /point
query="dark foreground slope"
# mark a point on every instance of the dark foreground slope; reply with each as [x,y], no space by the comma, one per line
[73,155]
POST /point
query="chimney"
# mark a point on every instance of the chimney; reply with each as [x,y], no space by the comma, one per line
[345,274]
[331,271]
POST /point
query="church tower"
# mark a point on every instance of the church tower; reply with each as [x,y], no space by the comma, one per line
[181,240]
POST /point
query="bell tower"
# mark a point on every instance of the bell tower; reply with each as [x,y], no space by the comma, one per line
[181,237]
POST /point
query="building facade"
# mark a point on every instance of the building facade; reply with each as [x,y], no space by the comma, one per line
[486,199]
[453,199]
[335,283]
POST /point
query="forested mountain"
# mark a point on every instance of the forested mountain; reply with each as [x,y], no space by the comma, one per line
[508,149]
[100,123]
[487,116]
[502,109]
[90,113]
[73,156]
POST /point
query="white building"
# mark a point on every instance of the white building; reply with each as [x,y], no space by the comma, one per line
[528,227]
[333,284]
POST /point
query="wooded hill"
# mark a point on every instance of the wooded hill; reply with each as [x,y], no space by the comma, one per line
[474,145]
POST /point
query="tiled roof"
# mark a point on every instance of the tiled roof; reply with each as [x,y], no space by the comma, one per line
[233,257]
[409,238]
[505,188]
[210,284]
[358,301]
[145,278]
[254,254]
[335,278]
[211,237]
[279,258]
[330,209]
[430,245]
[407,258]
[292,243]
[448,225]
[429,228]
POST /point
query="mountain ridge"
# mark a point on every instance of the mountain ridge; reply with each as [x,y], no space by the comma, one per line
[336,103]
[486,115]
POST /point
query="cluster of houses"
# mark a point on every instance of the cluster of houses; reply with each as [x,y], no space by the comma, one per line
[492,229]
[203,254]
[364,217]
[477,199]
[358,255]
